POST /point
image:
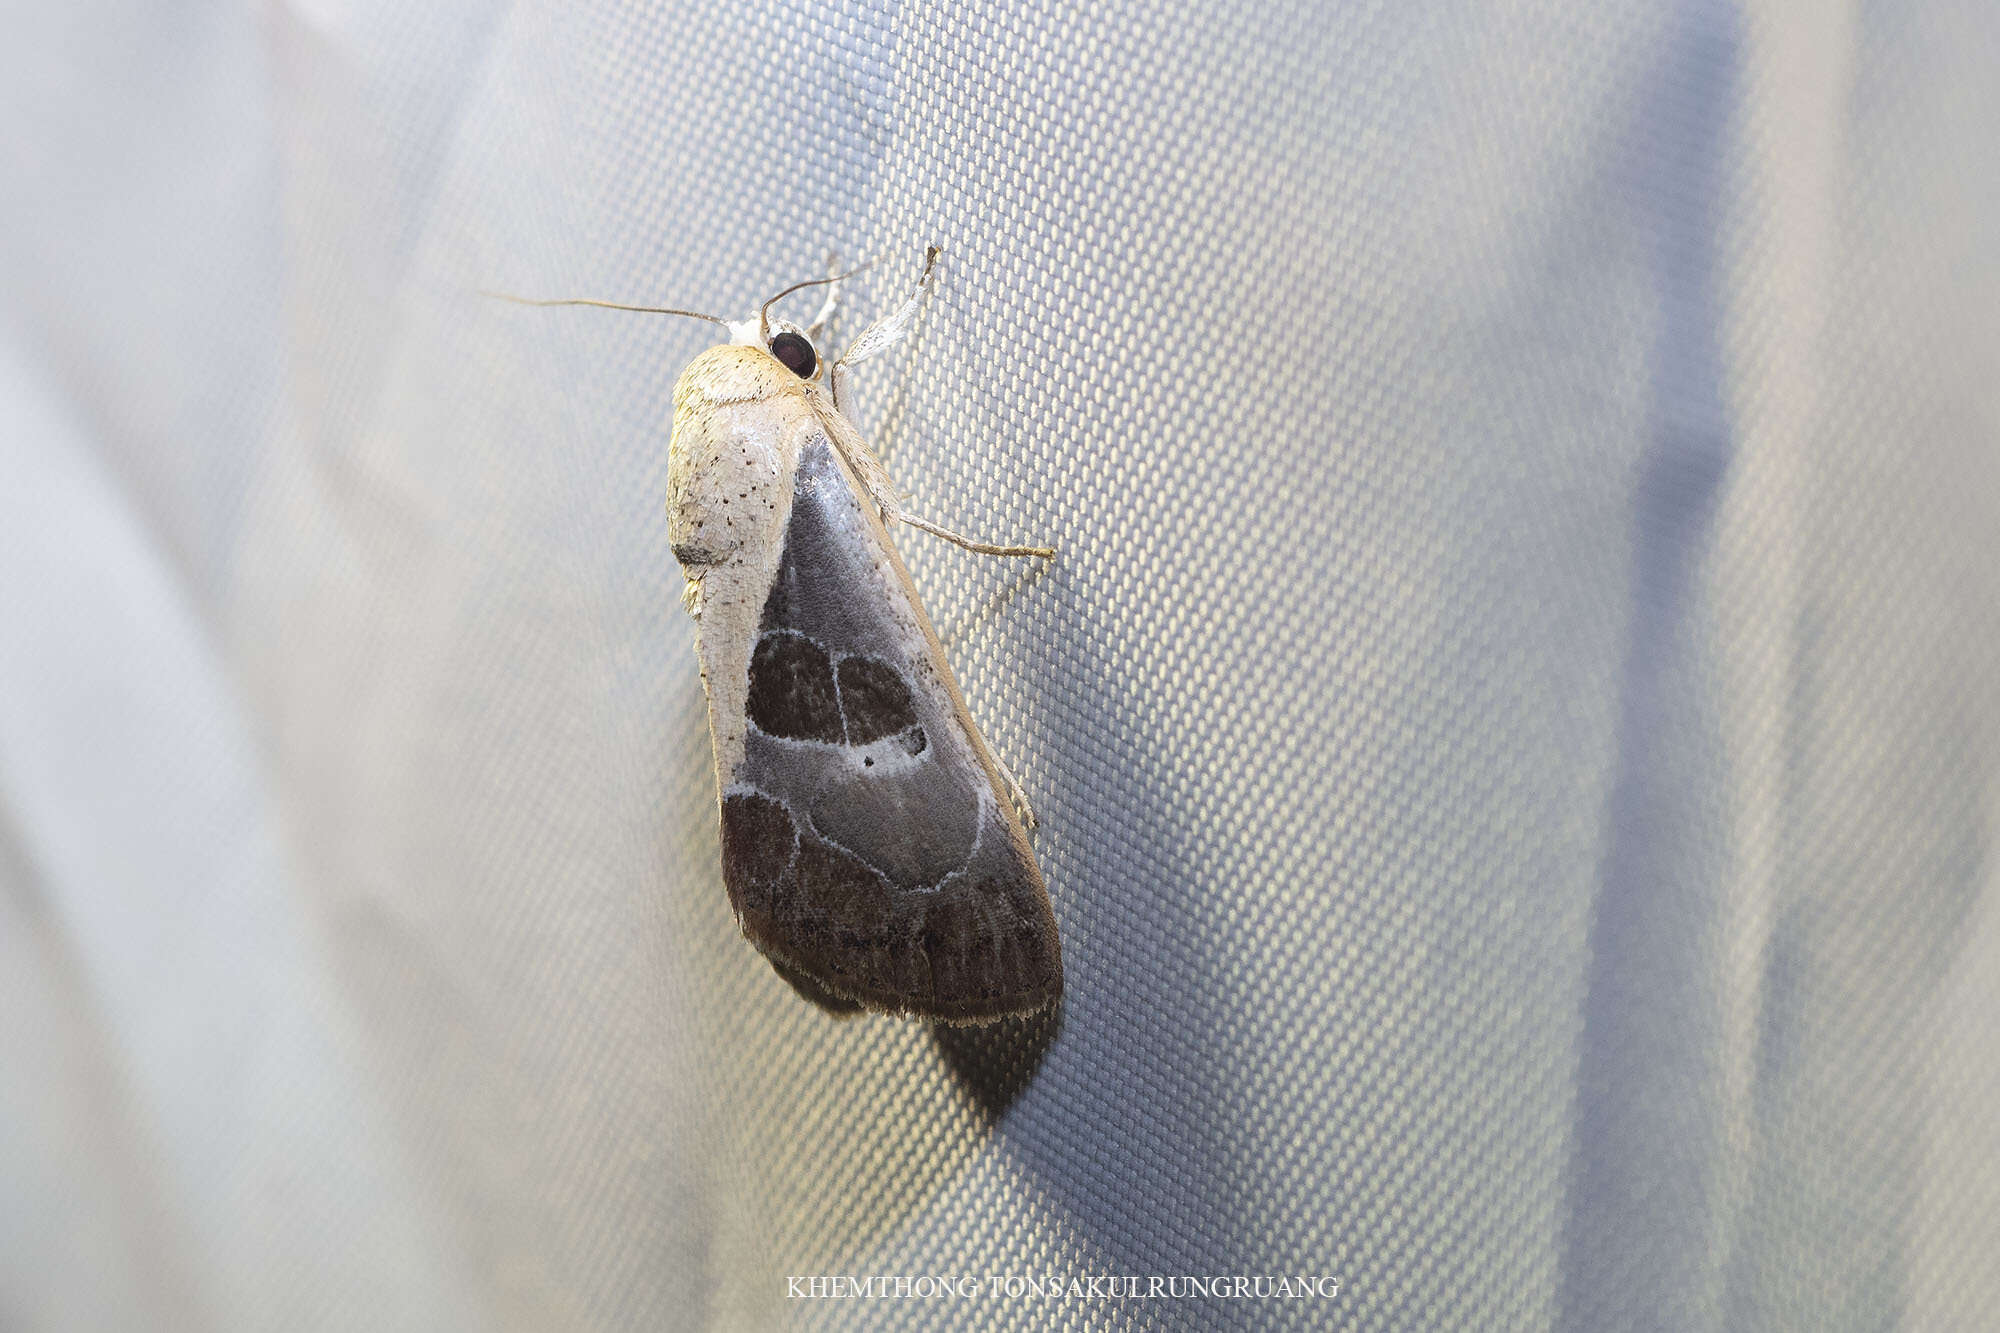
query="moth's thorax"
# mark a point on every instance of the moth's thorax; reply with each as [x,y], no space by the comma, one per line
[733,373]
[738,420]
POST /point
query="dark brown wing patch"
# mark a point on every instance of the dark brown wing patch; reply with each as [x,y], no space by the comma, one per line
[792,689]
[759,844]
[874,700]
[866,848]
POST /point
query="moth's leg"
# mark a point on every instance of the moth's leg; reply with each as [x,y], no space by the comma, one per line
[895,513]
[875,478]
[878,336]
[883,491]
[885,331]
[832,302]
[1015,792]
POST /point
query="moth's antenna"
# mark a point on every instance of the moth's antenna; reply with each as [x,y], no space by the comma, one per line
[764,310]
[605,305]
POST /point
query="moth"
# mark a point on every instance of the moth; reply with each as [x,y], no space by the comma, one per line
[872,846]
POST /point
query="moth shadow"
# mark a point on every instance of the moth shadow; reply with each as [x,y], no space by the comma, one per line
[996,1062]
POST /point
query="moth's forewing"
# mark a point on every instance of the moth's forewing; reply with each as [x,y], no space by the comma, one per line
[867,845]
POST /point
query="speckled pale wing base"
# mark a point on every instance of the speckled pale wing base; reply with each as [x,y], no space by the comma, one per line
[868,844]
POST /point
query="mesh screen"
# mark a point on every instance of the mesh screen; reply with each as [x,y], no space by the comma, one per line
[1513,722]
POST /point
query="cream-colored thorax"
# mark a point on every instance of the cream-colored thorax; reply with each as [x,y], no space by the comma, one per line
[740,420]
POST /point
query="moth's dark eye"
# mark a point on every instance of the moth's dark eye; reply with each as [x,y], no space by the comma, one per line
[797,354]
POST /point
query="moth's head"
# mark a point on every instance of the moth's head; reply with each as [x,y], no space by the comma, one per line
[766,354]
[765,357]
[785,342]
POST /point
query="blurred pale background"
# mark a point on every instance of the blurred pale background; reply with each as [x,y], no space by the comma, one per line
[1515,722]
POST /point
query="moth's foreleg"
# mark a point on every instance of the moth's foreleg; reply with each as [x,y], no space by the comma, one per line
[884,332]
[832,302]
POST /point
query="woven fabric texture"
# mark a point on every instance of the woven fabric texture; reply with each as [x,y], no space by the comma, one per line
[1514,721]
